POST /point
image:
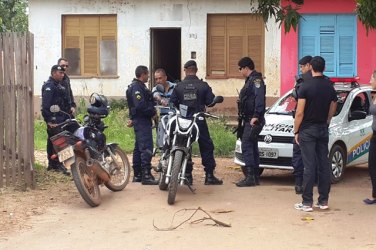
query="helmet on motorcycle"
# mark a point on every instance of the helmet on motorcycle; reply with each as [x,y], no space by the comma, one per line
[98,105]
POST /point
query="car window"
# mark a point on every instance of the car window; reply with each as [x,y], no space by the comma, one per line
[284,106]
[360,103]
[341,95]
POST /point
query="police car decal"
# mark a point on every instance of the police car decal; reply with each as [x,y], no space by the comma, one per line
[279,127]
[359,149]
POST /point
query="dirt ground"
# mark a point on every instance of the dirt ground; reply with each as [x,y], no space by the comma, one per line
[55,217]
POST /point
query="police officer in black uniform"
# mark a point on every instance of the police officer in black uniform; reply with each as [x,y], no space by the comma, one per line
[141,111]
[54,93]
[297,161]
[196,94]
[252,110]
[63,62]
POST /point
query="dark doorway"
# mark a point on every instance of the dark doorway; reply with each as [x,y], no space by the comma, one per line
[165,46]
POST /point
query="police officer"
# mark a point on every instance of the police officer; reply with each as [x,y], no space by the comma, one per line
[252,110]
[54,93]
[297,162]
[63,62]
[141,110]
[196,94]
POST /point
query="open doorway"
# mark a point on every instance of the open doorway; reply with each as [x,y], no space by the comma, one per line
[165,48]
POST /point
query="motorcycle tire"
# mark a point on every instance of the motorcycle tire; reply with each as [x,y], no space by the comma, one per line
[162,181]
[120,177]
[86,182]
[174,181]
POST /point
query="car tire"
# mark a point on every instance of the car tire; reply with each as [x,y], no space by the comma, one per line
[337,158]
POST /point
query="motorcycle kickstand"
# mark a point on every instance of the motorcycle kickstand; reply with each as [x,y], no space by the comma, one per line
[193,190]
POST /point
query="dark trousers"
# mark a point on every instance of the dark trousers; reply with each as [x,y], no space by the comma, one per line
[250,149]
[297,163]
[143,146]
[372,163]
[313,142]
[206,147]
[51,151]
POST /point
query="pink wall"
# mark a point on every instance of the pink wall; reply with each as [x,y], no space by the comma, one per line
[366,46]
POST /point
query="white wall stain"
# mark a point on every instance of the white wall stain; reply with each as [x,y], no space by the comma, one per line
[135,18]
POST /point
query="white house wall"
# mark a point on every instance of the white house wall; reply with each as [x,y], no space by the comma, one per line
[135,18]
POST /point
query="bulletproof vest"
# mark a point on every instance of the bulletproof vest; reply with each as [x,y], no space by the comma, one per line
[190,94]
[63,98]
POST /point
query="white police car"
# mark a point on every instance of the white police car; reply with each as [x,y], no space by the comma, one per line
[350,130]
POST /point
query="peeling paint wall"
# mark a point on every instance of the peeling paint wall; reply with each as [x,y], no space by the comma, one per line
[135,18]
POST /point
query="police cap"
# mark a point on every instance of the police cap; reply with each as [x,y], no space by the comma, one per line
[190,63]
[57,68]
[246,62]
[304,60]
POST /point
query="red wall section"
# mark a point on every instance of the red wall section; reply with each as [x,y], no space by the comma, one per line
[366,46]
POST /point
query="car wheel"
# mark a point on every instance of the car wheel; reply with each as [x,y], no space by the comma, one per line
[337,159]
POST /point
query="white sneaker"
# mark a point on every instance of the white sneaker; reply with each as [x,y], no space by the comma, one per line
[323,206]
[304,208]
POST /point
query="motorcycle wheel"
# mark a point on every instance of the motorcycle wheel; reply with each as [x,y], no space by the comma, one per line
[120,175]
[174,181]
[86,182]
[162,181]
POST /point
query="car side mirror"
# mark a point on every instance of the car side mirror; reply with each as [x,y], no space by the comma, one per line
[357,115]
[217,99]
[55,109]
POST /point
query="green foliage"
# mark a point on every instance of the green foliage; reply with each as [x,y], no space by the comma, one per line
[13,16]
[118,104]
[366,11]
[288,15]
[117,131]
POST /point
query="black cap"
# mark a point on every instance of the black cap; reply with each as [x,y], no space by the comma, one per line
[305,60]
[246,62]
[57,68]
[190,63]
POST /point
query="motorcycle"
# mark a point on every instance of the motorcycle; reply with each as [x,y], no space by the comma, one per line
[180,134]
[83,150]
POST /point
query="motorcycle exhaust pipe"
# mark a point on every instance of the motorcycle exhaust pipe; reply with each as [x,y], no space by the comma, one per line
[96,167]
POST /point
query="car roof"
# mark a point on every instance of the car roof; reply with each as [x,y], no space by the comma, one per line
[345,86]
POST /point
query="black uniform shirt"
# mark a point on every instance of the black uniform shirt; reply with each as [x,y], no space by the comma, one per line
[140,100]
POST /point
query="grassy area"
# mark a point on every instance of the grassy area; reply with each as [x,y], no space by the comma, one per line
[117,131]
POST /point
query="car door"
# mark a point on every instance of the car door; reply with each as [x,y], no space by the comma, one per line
[359,131]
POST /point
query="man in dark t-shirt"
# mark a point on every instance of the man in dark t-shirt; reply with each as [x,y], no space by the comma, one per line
[316,106]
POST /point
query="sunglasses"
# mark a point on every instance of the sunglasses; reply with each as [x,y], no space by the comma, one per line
[65,65]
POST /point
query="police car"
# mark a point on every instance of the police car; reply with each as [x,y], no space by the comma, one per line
[350,130]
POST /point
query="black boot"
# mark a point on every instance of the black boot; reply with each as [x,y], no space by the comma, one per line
[137,177]
[210,179]
[249,179]
[298,185]
[148,178]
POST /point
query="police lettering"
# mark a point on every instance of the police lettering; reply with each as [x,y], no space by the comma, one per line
[359,151]
[279,128]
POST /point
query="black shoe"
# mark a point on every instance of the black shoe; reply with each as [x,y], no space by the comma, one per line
[148,179]
[58,168]
[248,181]
[298,189]
[257,180]
[137,177]
[189,179]
[210,179]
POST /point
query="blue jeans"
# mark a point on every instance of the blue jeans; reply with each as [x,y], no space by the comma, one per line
[313,142]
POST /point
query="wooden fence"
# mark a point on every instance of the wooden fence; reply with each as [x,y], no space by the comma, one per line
[16,110]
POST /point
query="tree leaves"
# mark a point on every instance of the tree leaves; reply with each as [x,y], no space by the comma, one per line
[366,9]
[13,15]
[288,15]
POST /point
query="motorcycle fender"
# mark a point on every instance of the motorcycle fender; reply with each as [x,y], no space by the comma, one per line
[112,145]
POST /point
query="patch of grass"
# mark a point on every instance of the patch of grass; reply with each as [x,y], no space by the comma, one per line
[118,132]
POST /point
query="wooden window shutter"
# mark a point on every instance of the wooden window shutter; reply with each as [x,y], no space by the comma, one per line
[236,30]
[346,50]
[255,40]
[90,32]
[108,45]
[71,43]
[216,45]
